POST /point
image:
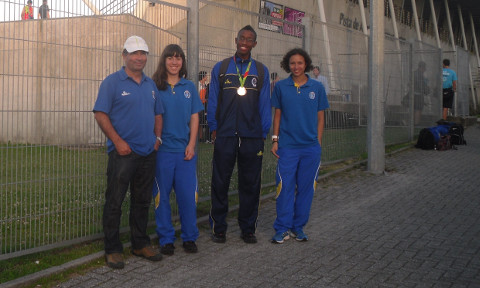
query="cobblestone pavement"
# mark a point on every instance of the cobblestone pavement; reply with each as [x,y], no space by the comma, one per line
[418,225]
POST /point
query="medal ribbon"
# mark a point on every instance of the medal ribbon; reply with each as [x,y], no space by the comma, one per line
[240,78]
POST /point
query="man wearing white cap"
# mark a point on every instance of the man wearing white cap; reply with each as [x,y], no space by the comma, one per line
[129,112]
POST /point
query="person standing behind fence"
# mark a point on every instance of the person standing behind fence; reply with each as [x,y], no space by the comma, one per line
[239,116]
[27,11]
[449,87]
[420,89]
[321,78]
[176,159]
[44,11]
[203,134]
[298,125]
[128,110]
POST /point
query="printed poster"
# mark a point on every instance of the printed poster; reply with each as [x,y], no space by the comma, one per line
[295,16]
[273,10]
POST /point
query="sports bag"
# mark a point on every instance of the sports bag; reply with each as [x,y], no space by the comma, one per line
[444,143]
[455,131]
[426,140]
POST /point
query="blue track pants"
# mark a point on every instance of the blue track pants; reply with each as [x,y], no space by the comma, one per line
[296,174]
[172,171]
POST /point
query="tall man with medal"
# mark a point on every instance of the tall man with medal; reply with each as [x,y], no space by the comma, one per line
[239,116]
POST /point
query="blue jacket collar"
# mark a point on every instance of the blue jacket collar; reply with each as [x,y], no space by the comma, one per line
[240,60]
[124,76]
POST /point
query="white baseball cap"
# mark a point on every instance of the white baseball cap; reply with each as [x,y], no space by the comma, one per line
[135,43]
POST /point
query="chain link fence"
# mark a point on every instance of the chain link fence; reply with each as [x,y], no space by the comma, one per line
[52,153]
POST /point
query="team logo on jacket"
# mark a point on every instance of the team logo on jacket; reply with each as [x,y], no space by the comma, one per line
[125,93]
[254,82]
[187,94]
[311,95]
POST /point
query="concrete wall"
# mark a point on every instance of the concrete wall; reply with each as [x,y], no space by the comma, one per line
[52,69]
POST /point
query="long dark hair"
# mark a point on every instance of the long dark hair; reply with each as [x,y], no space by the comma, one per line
[160,76]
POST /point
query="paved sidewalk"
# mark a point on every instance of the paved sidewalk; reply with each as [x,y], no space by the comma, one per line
[416,226]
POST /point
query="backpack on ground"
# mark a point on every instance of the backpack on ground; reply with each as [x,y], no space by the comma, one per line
[455,131]
[445,143]
[426,140]
[429,138]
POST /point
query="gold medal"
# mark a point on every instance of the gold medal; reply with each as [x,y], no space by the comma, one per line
[241,91]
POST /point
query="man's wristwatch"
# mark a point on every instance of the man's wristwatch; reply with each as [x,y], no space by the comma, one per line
[159,140]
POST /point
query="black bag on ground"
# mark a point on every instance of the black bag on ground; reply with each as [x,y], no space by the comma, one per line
[425,141]
[445,143]
[456,134]
[455,131]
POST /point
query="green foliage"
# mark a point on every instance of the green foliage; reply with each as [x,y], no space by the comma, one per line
[24,265]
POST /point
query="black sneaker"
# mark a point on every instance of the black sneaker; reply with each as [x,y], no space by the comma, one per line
[219,237]
[167,249]
[190,247]
[249,238]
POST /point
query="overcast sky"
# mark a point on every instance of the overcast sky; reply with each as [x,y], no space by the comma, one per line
[10,9]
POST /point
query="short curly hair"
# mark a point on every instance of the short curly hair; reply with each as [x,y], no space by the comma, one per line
[285,64]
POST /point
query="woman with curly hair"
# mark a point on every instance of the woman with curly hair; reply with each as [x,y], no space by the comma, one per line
[298,122]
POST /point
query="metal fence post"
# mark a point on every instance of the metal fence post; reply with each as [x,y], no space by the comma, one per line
[192,40]
[376,105]
[307,34]
[411,112]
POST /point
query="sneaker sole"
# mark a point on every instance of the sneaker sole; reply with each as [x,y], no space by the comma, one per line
[280,242]
[294,235]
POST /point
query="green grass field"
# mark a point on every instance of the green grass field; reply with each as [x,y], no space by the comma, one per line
[52,194]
